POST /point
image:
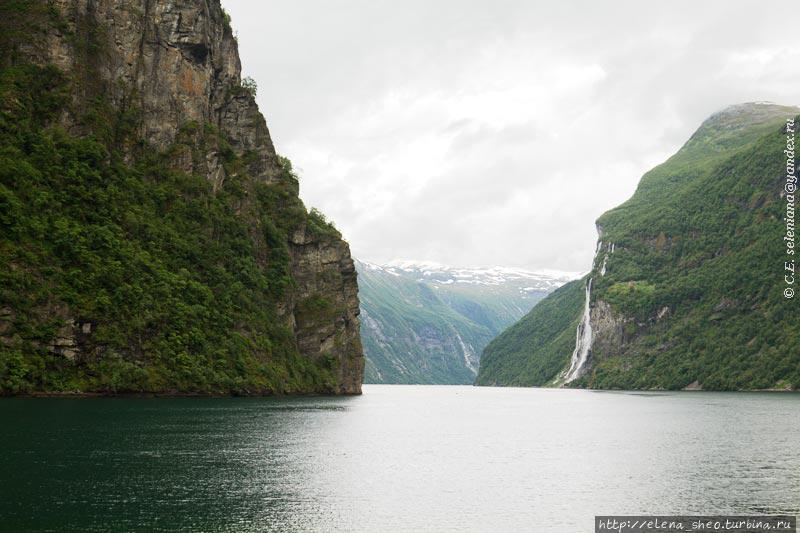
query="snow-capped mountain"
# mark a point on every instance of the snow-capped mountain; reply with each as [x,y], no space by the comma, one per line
[424,322]
[528,280]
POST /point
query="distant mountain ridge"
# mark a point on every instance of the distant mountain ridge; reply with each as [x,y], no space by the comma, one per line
[436,272]
[423,322]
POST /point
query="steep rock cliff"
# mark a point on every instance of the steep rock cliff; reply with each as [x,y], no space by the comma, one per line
[146,77]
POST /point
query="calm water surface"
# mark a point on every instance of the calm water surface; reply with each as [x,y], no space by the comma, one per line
[398,458]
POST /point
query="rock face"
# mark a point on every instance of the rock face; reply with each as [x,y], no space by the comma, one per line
[175,64]
[608,327]
[176,61]
[325,269]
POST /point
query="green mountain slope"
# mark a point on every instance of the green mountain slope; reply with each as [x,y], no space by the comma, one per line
[535,349]
[428,324]
[688,278]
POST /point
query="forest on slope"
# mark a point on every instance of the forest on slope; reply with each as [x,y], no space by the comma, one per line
[688,278]
[152,240]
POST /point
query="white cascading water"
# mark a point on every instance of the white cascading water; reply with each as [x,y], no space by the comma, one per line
[583,340]
[596,252]
[467,352]
[610,250]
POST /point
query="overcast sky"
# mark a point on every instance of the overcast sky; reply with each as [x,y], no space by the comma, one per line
[482,133]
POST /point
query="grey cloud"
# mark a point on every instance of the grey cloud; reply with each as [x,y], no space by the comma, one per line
[479,132]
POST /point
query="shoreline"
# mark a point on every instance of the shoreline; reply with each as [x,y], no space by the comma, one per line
[179,394]
[174,394]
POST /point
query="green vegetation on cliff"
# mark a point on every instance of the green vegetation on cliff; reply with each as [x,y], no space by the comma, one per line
[688,282]
[535,349]
[151,240]
[701,245]
[155,275]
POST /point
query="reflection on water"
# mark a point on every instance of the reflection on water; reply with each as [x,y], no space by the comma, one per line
[398,458]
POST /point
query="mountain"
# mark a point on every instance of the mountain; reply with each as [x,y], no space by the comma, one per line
[548,331]
[152,240]
[427,323]
[687,285]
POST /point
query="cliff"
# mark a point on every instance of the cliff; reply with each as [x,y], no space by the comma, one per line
[155,89]
[687,284]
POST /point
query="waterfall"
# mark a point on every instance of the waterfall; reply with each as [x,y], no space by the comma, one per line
[583,334]
[583,340]
[594,260]
[467,352]
[609,251]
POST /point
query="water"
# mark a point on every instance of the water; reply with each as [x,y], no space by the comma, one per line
[398,458]
[583,340]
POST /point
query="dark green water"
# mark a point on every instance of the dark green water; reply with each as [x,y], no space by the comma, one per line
[396,459]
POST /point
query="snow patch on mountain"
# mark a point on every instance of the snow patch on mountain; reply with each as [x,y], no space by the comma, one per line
[436,273]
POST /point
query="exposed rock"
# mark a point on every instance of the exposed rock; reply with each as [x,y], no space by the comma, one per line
[608,329]
[6,316]
[724,304]
[65,343]
[323,268]
[694,385]
[176,61]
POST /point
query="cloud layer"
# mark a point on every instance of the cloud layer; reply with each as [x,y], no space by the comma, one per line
[494,133]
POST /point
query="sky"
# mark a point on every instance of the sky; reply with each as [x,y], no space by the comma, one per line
[495,132]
